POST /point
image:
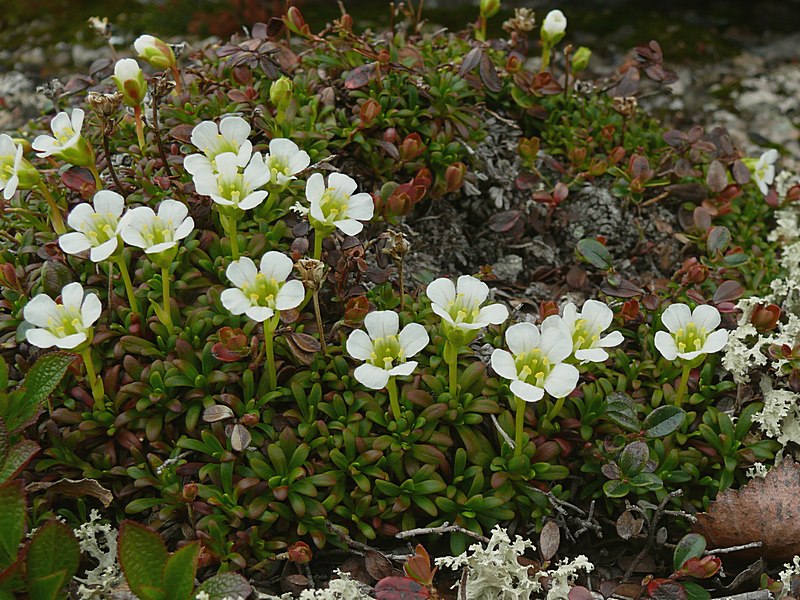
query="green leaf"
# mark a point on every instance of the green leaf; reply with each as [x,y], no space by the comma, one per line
[3,441]
[633,458]
[142,556]
[16,459]
[692,545]
[180,570]
[719,238]
[226,585]
[48,586]
[663,420]
[41,380]
[616,488]
[3,375]
[53,549]
[694,591]
[595,253]
[622,410]
[12,521]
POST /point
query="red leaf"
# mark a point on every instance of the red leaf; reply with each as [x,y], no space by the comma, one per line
[79,180]
[728,291]
[400,588]
[700,568]
[361,76]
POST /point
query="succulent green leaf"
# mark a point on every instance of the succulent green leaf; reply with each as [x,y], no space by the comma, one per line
[663,420]
[622,410]
[226,585]
[633,458]
[595,253]
[142,556]
[616,488]
[692,545]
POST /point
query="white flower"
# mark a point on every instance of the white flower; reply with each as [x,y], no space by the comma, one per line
[691,333]
[259,294]
[585,329]
[384,351]
[554,26]
[228,186]
[460,306]
[68,143]
[156,233]
[15,171]
[336,205]
[764,170]
[66,325]
[155,52]
[212,140]
[129,78]
[535,364]
[95,228]
[285,160]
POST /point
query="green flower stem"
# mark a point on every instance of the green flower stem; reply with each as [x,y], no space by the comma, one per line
[269,347]
[545,56]
[137,116]
[55,212]
[318,235]
[391,387]
[98,393]
[518,426]
[229,224]
[166,298]
[555,409]
[97,181]
[683,385]
[119,259]
[451,358]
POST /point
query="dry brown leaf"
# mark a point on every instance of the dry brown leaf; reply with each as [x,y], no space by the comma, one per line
[74,488]
[765,510]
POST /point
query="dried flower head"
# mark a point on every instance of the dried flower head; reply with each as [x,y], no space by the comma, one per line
[523,21]
[312,272]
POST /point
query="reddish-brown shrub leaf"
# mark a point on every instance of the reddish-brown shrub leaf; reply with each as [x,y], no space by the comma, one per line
[400,588]
[700,568]
[628,525]
[666,589]
[728,291]
[549,540]
[717,176]
[182,133]
[360,76]
[377,565]
[579,593]
[79,180]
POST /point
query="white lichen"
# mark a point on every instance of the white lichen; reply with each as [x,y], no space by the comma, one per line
[757,470]
[98,541]
[342,588]
[791,570]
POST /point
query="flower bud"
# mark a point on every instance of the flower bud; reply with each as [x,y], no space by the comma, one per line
[489,8]
[280,93]
[299,553]
[370,111]
[580,60]
[250,419]
[554,27]
[190,491]
[513,63]
[547,308]
[765,318]
[130,81]
[412,147]
[454,177]
[156,52]
[528,149]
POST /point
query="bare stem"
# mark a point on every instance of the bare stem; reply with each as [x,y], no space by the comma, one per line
[318,314]
[96,384]
[518,426]
[443,528]
[55,212]
[683,385]
[137,117]
[126,279]
[269,347]
[166,297]
[106,148]
[157,134]
[391,387]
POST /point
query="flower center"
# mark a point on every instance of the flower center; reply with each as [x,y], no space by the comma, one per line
[333,205]
[278,165]
[533,367]
[101,228]
[233,187]
[67,322]
[220,145]
[63,136]
[386,351]
[262,291]
[583,336]
[7,169]
[690,338]
[463,312]
[158,231]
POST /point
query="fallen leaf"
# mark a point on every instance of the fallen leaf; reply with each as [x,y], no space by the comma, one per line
[73,488]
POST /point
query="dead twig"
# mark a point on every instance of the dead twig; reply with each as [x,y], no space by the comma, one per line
[757,595]
[444,528]
[585,521]
[651,532]
[732,548]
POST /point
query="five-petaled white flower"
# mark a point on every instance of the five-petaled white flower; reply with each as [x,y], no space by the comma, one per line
[764,170]
[229,186]
[68,144]
[212,140]
[95,228]
[586,328]
[383,350]
[335,206]
[15,171]
[691,332]
[285,160]
[459,305]
[66,325]
[535,364]
[260,294]
[159,233]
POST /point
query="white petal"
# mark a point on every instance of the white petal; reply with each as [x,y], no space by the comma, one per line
[184,229]
[526,391]
[371,376]
[204,135]
[61,122]
[241,272]
[71,341]
[522,337]
[561,381]
[342,184]
[197,164]
[591,355]
[349,226]
[315,188]
[676,316]
[40,310]
[597,314]
[44,145]
[690,355]
[437,309]
[74,243]
[172,211]
[493,313]
[72,295]
[77,119]
[104,250]
[276,265]
[569,314]
[472,289]
[256,173]
[160,247]
[90,310]
[611,340]
[359,345]
[706,316]
[283,148]
[108,202]
[503,364]
[666,345]
[403,369]
[235,301]
[81,216]
[413,338]
[441,291]
[235,129]
[291,294]
[360,207]
[716,341]
[382,323]
[260,313]
[556,343]
[770,156]
[41,338]
[299,161]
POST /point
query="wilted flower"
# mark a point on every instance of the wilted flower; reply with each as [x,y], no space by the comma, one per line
[68,144]
[15,172]
[554,27]
[158,234]
[285,160]
[67,325]
[229,187]
[312,272]
[155,52]
[95,228]
[764,170]
[130,81]
[535,364]
[336,205]
[460,306]
[384,351]
[524,20]
[691,333]
[212,140]
[259,294]
[586,328]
